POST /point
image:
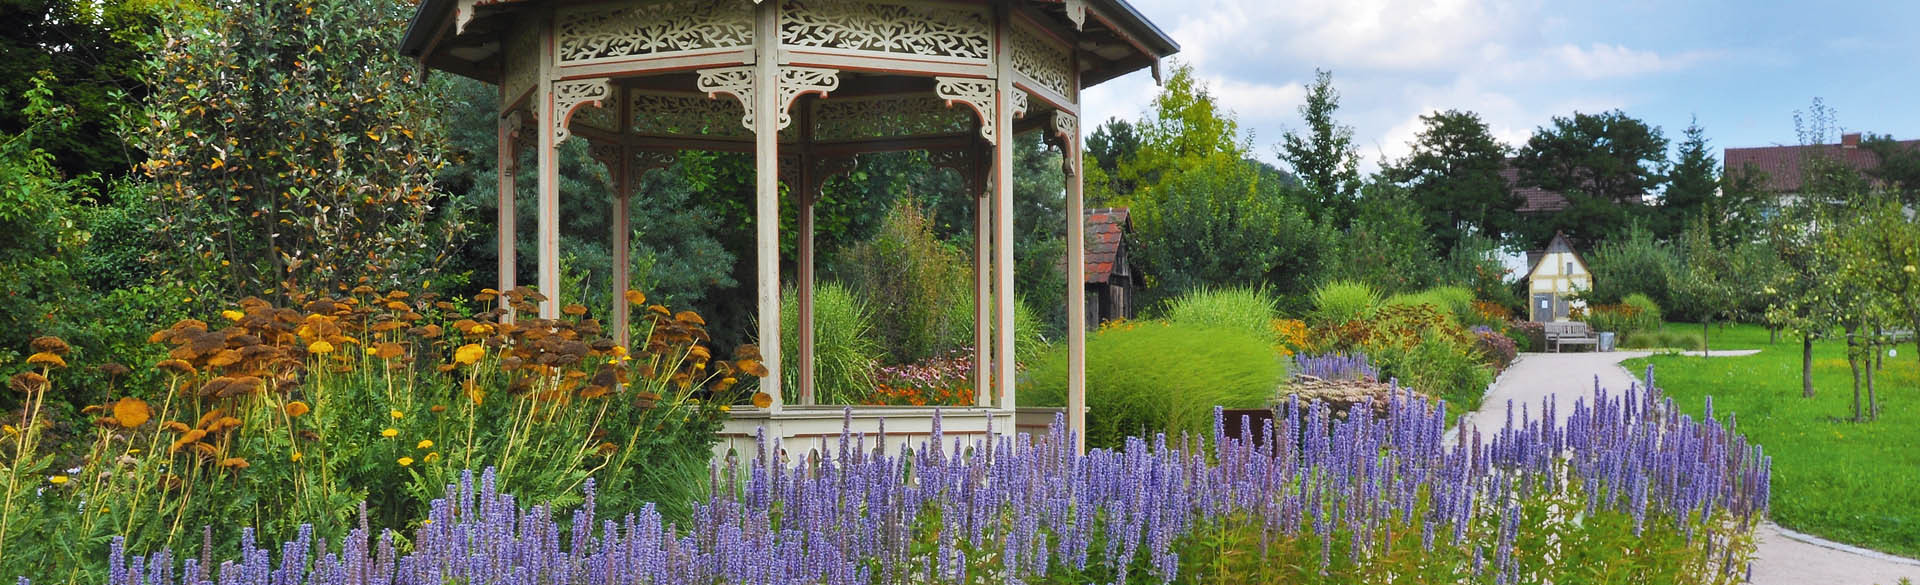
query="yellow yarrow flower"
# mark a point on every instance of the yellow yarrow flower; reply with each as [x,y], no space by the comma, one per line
[320,347]
[424,444]
[405,461]
[58,479]
[469,354]
[390,433]
[396,414]
[295,457]
[232,315]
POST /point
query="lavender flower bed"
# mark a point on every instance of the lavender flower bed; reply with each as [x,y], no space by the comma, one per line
[1621,486]
[1338,367]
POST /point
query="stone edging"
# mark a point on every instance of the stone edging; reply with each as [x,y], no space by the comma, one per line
[1846,548]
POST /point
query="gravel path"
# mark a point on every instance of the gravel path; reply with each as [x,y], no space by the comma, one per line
[1786,557]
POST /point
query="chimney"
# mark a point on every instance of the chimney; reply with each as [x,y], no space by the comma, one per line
[1850,140]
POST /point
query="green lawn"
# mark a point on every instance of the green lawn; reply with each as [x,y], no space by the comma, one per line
[1850,482]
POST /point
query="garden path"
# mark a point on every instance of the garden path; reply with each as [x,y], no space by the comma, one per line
[1785,557]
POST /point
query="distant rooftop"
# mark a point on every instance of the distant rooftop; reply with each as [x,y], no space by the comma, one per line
[1781,164]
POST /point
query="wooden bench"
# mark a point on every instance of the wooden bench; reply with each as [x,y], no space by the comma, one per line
[1563,333]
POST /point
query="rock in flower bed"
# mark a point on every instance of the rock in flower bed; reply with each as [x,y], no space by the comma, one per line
[1619,490]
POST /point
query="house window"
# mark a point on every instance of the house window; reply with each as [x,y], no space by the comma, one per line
[1569,268]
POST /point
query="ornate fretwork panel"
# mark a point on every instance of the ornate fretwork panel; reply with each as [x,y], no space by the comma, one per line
[597,117]
[687,115]
[954,32]
[568,95]
[963,161]
[522,66]
[976,93]
[845,119]
[646,161]
[823,168]
[591,33]
[1019,104]
[605,153]
[1041,60]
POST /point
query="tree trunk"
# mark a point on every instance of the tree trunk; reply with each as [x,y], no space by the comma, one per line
[1806,365]
[1853,363]
[1773,335]
[1873,406]
[1706,348]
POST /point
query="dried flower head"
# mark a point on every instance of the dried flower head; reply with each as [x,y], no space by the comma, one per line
[51,344]
[47,359]
[28,382]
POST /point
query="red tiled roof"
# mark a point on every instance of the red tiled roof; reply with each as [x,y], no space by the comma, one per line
[1781,164]
[1535,199]
[1106,233]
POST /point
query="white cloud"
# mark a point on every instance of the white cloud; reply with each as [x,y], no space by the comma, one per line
[1512,61]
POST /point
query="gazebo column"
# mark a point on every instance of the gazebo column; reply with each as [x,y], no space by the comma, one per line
[1067,128]
[805,193]
[547,120]
[1003,100]
[764,109]
[982,279]
[506,235]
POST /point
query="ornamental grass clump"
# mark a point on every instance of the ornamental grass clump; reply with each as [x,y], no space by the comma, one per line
[1620,489]
[285,419]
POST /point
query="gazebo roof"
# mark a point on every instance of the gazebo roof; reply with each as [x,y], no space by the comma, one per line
[1116,37]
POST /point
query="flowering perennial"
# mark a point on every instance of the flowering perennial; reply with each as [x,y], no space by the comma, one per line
[1620,485]
[1338,367]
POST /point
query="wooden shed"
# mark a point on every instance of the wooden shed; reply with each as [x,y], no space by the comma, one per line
[1110,279]
[1557,275]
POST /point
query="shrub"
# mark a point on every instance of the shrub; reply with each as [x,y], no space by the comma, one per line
[1029,343]
[1637,263]
[1666,339]
[274,417]
[1242,308]
[921,288]
[1452,300]
[1497,347]
[844,352]
[1437,364]
[1649,314]
[1351,500]
[1343,301]
[1157,377]
[1530,335]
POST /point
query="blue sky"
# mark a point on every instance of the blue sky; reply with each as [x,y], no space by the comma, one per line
[1742,67]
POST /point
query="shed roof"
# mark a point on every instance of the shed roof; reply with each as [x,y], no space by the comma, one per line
[1106,233]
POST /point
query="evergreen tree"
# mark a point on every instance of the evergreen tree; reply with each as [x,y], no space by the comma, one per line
[1611,159]
[1692,183]
[1323,158]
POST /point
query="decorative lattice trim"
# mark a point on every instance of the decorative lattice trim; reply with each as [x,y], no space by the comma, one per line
[975,93]
[922,30]
[592,33]
[568,95]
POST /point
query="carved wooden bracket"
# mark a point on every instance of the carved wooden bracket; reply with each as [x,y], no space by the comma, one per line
[733,81]
[569,95]
[975,93]
[794,82]
[1066,127]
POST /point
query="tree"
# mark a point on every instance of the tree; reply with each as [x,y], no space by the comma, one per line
[97,51]
[1712,280]
[1899,168]
[1186,126]
[1387,246]
[1111,143]
[1323,157]
[1692,183]
[1636,262]
[1218,224]
[1453,175]
[1879,252]
[295,150]
[1610,157]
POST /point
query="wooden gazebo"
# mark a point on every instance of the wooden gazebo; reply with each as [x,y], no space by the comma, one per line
[805,85]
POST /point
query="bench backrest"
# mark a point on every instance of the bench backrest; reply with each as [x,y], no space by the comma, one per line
[1567,329]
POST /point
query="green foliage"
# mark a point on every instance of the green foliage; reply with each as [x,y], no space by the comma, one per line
[1218,224]
[1387,246]
[1649,310]
[1441,363]
[1343,301]
[1451,300]
[1692,183]
[916,283]
[98,51]
[1836,479]
[1899,168]
[294,149]
[1186,126]
[1241,308]
[40,241]
[1453,174]
[1637,263]
[1133,390]
[844,351]
[1605,162]
[1323,157]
